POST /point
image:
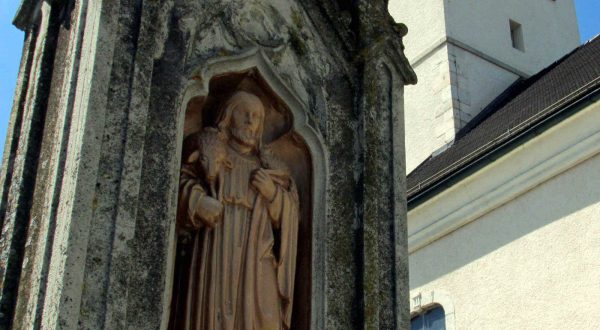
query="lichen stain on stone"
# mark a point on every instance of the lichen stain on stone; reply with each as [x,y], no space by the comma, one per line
[297,42]
[95,202]
[224,52]
[297,19]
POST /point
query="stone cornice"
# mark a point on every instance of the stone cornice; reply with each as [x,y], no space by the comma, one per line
[26,14]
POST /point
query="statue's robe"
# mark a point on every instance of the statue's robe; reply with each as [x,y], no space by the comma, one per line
[239,274]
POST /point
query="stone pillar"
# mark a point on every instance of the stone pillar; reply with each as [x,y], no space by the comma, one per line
[384,240]
[21,163]
[92,163]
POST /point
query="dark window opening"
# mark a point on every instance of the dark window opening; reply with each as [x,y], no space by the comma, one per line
[431,319]
[516,35]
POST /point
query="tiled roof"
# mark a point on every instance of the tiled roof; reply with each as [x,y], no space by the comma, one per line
[523,105]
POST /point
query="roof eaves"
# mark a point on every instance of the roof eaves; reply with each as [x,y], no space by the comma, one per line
[429,184]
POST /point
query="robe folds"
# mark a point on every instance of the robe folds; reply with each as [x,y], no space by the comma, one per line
[240,273]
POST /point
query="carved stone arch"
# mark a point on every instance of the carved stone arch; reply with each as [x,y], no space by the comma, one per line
[197,109]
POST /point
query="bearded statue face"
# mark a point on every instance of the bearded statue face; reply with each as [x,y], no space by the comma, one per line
[246,119]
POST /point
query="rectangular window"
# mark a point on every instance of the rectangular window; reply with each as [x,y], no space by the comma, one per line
[516,35]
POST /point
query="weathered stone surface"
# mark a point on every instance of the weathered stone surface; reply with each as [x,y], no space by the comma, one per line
[24,166]
[99,246]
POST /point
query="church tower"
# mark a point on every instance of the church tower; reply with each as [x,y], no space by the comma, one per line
[466,52]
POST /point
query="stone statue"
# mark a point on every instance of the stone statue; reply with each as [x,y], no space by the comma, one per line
[240,208]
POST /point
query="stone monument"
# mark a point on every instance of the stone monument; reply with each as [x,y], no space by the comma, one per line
[214,164]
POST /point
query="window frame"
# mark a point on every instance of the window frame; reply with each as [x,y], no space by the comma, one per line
[421,302]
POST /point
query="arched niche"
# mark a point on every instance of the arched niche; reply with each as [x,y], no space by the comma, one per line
[290,138]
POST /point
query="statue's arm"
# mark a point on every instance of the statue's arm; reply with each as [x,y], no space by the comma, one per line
[274,207]
[286,198]
[190,194]
[196,207]
[286,207]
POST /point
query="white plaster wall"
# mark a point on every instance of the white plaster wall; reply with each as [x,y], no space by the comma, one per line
[429,121]
[532,263]
[475,83]
[549,29]
[425,22]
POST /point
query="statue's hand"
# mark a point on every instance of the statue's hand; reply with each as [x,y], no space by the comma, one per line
[264,184]
[209,210]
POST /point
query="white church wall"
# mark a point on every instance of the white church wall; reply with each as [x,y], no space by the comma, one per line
[475,37]
[430,121]
[475,83]
[428,113]
[549,29]
[446,98]
[532,263]
[516,244]
[425,22]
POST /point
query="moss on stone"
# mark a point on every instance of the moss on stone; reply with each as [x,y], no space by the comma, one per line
[297,42]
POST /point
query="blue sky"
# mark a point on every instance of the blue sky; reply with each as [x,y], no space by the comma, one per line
[11,42]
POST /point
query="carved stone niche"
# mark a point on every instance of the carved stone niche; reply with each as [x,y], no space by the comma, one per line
[233,266]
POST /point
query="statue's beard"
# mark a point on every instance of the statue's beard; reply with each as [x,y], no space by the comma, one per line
[244,136]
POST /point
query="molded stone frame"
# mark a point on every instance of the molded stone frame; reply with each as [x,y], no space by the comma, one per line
[255,59]
[427,300]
